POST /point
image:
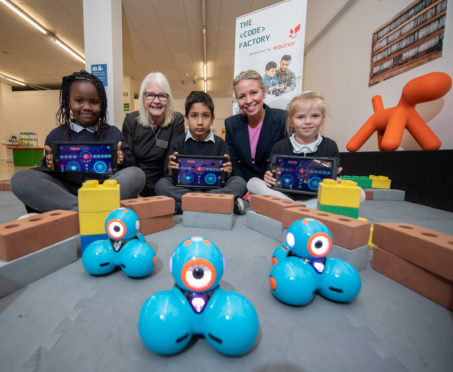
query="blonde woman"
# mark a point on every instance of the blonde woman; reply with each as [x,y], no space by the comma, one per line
[251,134]
[150,130]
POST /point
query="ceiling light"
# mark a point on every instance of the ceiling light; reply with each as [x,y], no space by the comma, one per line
[68,49]
[42,29]
[205,77]
[19,12]
[205,49]
[15,81]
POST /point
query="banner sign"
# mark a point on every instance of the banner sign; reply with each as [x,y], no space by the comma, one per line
[271,42]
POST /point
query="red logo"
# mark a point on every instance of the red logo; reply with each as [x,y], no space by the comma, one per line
[293,33]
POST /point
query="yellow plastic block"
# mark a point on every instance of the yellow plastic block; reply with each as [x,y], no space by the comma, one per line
[370,240]
[343,194]
[92,223]
[380,182]
[95,197]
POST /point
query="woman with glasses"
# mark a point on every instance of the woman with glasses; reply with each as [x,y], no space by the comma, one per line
[150,130]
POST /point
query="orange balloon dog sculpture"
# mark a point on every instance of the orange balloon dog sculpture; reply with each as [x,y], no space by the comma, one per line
[390,123]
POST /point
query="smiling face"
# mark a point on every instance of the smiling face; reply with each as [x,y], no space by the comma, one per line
[307,121]
[250,97]
[155,107]
[284,65]
[84,102]
[200,120]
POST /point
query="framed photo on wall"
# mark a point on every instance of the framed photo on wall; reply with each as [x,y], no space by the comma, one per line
[411,38]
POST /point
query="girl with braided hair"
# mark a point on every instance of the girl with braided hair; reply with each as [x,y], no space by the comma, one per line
[81,117]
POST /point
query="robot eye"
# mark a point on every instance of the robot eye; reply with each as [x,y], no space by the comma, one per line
[198,274]
[116,229]
[290,239]
[319,244]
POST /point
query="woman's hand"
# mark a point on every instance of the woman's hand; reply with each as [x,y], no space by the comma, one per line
[172,163]
[119,154]
[269,179]
[227,167]
[49,158]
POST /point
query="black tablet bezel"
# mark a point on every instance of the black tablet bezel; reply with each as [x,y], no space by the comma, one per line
[56,154]
[302,158]
[200,157]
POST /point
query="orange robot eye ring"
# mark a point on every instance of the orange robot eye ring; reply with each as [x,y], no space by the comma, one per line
[114,234]
[324,238]
[202,284]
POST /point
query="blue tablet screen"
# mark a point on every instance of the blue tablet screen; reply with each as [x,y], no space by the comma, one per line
[93,158]
[302,175]
[199,172]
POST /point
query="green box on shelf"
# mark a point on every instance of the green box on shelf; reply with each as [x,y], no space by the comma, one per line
[27,156]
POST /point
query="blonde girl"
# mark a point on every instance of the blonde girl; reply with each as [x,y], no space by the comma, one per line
[306,114]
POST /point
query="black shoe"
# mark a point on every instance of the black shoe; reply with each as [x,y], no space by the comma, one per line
[178,209]
[31,210]
[239,207]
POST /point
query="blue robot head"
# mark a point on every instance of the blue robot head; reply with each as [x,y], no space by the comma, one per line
[122,224]
[309,238]
[197,265]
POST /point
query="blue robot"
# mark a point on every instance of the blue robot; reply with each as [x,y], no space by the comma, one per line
[301,267]
[198,306]
[126,247]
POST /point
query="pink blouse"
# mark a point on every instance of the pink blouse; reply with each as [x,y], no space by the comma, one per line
[254,135]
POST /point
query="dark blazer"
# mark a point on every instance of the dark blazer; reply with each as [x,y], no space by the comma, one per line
[237,138]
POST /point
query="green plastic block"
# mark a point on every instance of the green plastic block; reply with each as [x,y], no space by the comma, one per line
[344,211]
[362,181]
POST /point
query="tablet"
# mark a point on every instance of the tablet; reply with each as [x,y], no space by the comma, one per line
[87,157]
[302,174]
[200,171]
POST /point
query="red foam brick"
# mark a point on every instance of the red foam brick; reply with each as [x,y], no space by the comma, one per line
[151,206]
[428,249]
[208,203]
[271,206]
[21,237]
[155,224]
[5,186]
[414,277]
[347,232]
[369,194]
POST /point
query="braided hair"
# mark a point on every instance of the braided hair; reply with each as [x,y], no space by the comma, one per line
[64,111]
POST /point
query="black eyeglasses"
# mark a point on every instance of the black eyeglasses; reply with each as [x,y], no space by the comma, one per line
[150,96]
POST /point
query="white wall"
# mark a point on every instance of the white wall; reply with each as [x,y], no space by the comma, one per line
[28,111]
[338,67]
[3,136]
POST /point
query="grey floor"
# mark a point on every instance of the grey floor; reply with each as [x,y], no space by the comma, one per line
[71,321]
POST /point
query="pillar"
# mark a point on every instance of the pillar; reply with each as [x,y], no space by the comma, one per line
[102,23]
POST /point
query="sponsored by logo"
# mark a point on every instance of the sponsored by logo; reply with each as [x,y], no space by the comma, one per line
[293,32]
[292,35]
